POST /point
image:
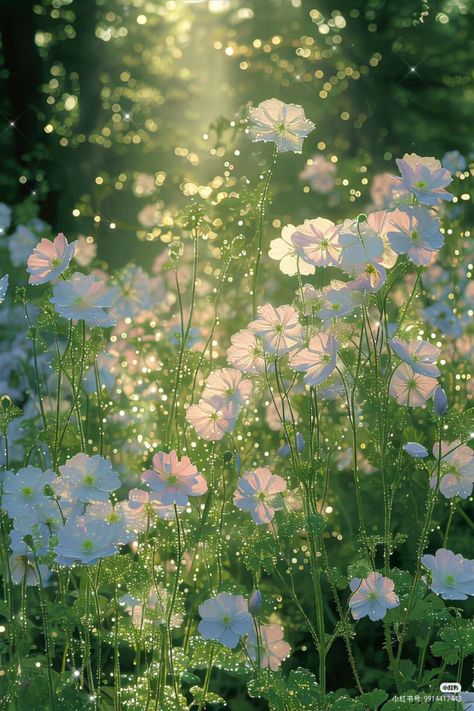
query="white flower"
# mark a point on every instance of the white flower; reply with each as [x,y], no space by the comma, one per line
[86,479]
[372,596]
[457,469]
[225,387]
[284,124]
[246,352]
[284,251]
[85,540]
[360,244]
[84,297]
[452,576]
[25,489]
[225,618]
[420,355]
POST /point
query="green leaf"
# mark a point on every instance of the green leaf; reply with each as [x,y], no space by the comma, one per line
[375,698]
[206,697]
[456,641]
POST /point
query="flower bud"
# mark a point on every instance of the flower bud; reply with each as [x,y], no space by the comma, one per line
[255,602]
[440,402]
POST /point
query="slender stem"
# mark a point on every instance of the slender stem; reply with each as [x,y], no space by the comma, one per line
[261,226]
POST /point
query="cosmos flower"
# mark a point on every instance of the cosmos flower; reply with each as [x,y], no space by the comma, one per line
[414,449]
[372,597]
[385,190]
[141,507]
[320,174]
[279,328]
[370,277]
[86,479]
[3,287]
[84,297]
[420,355]
[360,244]
[224,387]
[133,293]
[25,489]
[85,540]
[174,479]
[283,250]
[273,648]
[457,470]
[246,352]
[210,422]
[317,241]
[424,177]
[20,245]
[338,301]
[318,360]
[49,259]
[113,516]
[410,388]
[258,492]
[415,233]
[452,576]
[86,251]
[283,124]
[225,618]
[380,223]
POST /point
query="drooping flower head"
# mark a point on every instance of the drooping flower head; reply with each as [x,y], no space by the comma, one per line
[318,360]
[258,492]
[279,328]
[424,177]
[49,259]
[174,479]
[225,618]
[372,597]
[452,576]
[84,297]
[283,124]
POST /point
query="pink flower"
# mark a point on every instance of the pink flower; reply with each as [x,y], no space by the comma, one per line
[372,596]
[140,509]
[424,177]
[258,492]
[209,421]
[280,329]
[410,388]
[284,124]
[457,470]
[318,360]
[371,277]
[420,355]
[273,648]
[319,173]
[317,241]
[50,259]
[246,352]
[386,190]
[225,387]
[86,251]
[174,479]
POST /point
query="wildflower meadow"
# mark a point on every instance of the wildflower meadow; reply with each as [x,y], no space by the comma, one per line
[237,466]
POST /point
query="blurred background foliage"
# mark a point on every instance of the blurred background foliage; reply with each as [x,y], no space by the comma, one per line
[96,92]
